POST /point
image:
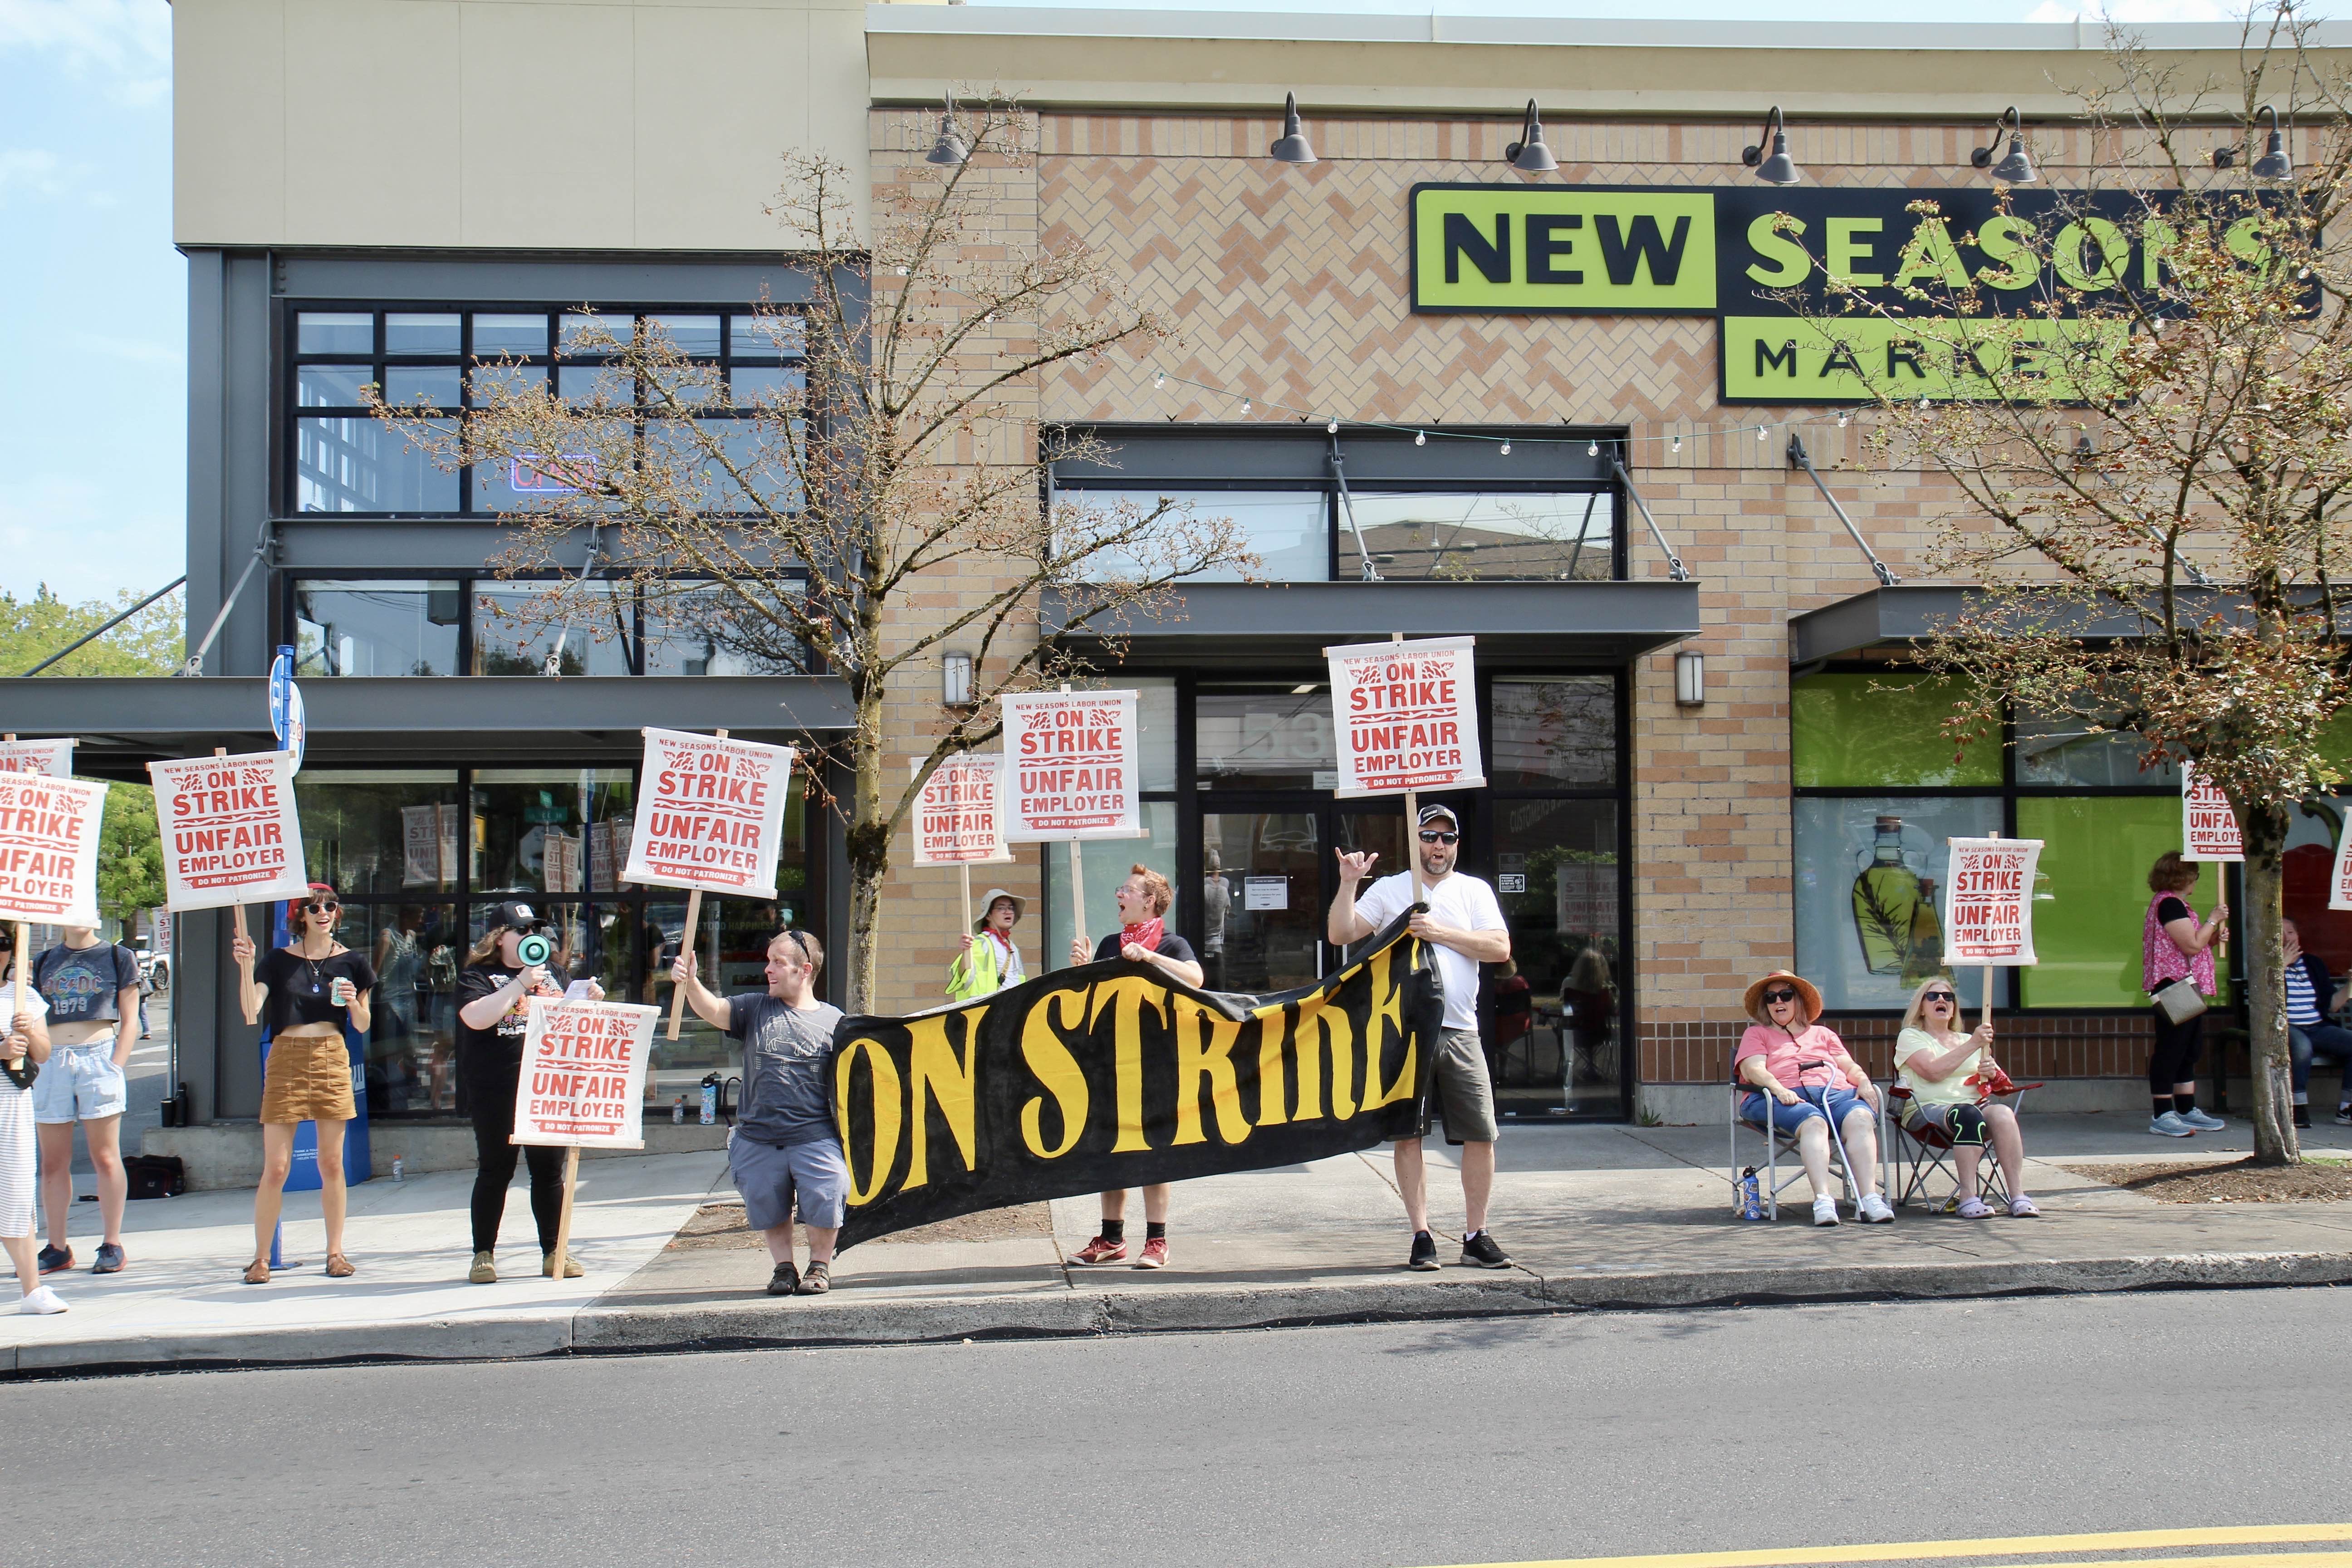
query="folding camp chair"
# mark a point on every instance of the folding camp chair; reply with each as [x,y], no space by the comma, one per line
[1926,1151]
[1778,1144]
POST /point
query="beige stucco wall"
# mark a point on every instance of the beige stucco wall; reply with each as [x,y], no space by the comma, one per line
[568,124]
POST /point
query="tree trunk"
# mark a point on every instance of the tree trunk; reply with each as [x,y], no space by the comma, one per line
[869,849]
[2273,1111]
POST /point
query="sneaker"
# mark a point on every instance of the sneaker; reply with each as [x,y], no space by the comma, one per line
[2170,1125]
[1100,1251]
[2202,1120]
[2303,1116]
[110,1259]
[817,1281]
[485,1270]
[53,1259]
[572,1269]
[1479,1251]
[2344,1116]
[40,1301]
[1154,1253]
[2022,1207]
[1875,1209]
[1825,1211]
[785,1280]
[1974,1208]
[1423,1257]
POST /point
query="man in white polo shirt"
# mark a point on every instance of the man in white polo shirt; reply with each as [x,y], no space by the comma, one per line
[1464,924]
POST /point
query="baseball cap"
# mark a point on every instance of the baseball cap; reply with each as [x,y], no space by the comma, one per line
[1430,813]
[521,916]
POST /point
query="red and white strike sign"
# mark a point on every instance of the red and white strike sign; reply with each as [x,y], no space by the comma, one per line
[54,758]
[2340,881]
[2208,828]
[711,814]
[583,1073]
[1989,902]
[959,813]
[48,850]
[230,832]
[1071,758]
[1407,716]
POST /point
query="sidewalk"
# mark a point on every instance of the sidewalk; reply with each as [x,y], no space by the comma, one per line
[1596,1216]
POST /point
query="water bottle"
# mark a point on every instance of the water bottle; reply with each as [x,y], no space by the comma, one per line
[678,1112]
[396,1174]
[711,1100]
[1751,1196]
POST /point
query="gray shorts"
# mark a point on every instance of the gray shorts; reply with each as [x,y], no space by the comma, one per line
[1460,1090]
[769,1178]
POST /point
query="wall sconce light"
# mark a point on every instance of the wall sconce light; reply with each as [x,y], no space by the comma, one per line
[955,679]
[1690,679]
[2017,167]
[1291,146]
[949,149]
[2274,164]
[1777,168]
[1528,154]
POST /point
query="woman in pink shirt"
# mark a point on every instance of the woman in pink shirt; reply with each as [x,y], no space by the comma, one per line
[1802,1073]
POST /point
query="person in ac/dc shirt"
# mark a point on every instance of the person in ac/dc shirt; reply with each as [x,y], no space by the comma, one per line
[1464,923]
[491,1021]
[92,990]
[1143,937]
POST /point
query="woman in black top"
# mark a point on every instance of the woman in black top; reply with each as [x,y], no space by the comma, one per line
[491,1020]
[1143,937]
[311,987]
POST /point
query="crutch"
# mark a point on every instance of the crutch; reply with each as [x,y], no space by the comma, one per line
[1845,1163]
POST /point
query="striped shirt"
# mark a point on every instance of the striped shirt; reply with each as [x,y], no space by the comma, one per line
[2302,1005]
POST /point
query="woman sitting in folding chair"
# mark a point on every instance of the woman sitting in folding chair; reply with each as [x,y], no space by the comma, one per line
[1823,1092]
[1948,1074]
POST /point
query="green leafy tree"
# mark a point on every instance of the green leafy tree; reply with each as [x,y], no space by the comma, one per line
[149,643]
[130,854]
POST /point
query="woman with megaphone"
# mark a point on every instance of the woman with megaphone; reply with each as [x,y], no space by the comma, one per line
[507,966]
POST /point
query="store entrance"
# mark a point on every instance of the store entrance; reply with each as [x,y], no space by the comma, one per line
[1269,866]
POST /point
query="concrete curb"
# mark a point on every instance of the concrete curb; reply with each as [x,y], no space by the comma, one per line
[758,1322]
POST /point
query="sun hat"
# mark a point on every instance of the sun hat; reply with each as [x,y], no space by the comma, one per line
[1806,997]
[988,902]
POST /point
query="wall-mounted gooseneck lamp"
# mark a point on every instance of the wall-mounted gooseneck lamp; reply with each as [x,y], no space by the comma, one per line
[2275,163]
[1528,154]
[1291,146]
[1775,168]
[2016,168]
[950,149]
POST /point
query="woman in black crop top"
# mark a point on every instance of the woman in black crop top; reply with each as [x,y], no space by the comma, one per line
[308,988]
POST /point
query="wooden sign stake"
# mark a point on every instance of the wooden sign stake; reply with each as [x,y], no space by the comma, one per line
[1078,875]
[686,943]
[964,867]
[563,1221]
[17,995]
[1413,826]
[1985,1018]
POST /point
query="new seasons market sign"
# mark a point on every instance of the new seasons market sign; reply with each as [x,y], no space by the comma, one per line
[1617,250]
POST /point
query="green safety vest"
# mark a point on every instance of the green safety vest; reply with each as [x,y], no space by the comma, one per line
[975,974]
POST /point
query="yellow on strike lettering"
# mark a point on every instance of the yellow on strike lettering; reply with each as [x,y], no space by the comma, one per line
[946,1081]
[1204,1050]
[885,1115]
[1388,1006]
[1053,1065]
[1273,1083]
[1126,997]
[1321,1024]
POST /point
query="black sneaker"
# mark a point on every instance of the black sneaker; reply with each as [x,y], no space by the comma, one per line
[1480,1252]
[784,1281]
[2344,1116]
[1425,1252]
[53,1259]
[2303,1116]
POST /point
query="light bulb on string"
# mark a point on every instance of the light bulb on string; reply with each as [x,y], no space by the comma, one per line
[1843,416]
[1507,449]
[1923,402]
[1158,379]
[1245,408]
[1592,449]
[1421,439]
[1678,443]
[1761,433]
[1332,428]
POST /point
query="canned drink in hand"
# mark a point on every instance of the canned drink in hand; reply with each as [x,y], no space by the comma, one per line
[341,990]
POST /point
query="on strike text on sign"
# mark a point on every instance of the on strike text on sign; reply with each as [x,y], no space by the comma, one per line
[1406,715]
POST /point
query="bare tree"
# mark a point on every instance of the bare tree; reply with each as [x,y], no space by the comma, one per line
[879,501]
[2148,447]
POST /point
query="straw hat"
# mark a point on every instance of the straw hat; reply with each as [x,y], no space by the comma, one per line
[1806,997]
[988,902]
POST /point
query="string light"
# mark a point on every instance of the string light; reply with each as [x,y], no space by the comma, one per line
[1843,416]
[1421,438]
[1332,428]
[1507,449]
[1678,441]
[1158,380]
[1760,431]
[1245,406]
[1592,449]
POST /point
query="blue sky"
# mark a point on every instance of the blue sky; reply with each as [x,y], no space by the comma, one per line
[93,298]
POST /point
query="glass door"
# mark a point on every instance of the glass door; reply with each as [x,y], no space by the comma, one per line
[1264,865]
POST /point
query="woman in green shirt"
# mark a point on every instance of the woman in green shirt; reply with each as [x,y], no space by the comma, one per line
[1947,1071]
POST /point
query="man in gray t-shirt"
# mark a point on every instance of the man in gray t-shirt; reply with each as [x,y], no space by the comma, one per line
[785,1147]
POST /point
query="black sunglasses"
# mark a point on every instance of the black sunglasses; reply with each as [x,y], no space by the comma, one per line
[1939,996]
[1435,835]
[1783,994]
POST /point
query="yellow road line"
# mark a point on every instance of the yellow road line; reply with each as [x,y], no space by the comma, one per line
[1995,1546]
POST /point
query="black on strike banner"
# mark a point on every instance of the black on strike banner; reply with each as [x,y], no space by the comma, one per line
[1108,1074]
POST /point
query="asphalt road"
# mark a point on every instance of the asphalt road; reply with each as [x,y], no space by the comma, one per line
[1483,1442]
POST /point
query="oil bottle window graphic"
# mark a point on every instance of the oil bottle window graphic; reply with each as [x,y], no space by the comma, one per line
[1894,904]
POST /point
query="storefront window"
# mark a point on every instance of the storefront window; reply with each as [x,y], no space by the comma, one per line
[1288,530]
[2091,900]
[362,464]
[1870,874]
[416,948]
[1571,536]
[383,833]
[1553,1040]
[1867,731]
[558,830]
[376,627]
[2068,750]
[1275,736]
[1560,730]
[1106,863]
[517,632]
[705,631]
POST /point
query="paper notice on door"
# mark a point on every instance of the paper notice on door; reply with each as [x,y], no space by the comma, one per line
[1266,893]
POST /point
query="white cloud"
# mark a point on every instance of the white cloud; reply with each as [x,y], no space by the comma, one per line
[124,45]
[30,169]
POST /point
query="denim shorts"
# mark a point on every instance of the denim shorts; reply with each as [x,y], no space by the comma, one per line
[770,1179]
[1788,1117]
[80,1083]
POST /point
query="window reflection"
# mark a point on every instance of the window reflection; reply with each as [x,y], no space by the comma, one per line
[361,464]
[1555,536]
[1287,530]
[375,627]
[517,630]
[1556,732]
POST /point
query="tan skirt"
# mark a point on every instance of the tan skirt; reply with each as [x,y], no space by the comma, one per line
[309,1080]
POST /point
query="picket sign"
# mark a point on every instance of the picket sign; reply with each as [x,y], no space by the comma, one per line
[54,758]
[1987,905]
[959,817]
[78,896]
[1091,794]
[2208,828]
[573,1093]
[2340,881]
[1406,718]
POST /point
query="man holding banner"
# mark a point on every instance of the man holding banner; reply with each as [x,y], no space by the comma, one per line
[1464,922]
[785,1147]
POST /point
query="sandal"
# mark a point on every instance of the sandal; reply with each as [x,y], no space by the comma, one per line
[338,1266]
[816,1279]
[258,1272]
